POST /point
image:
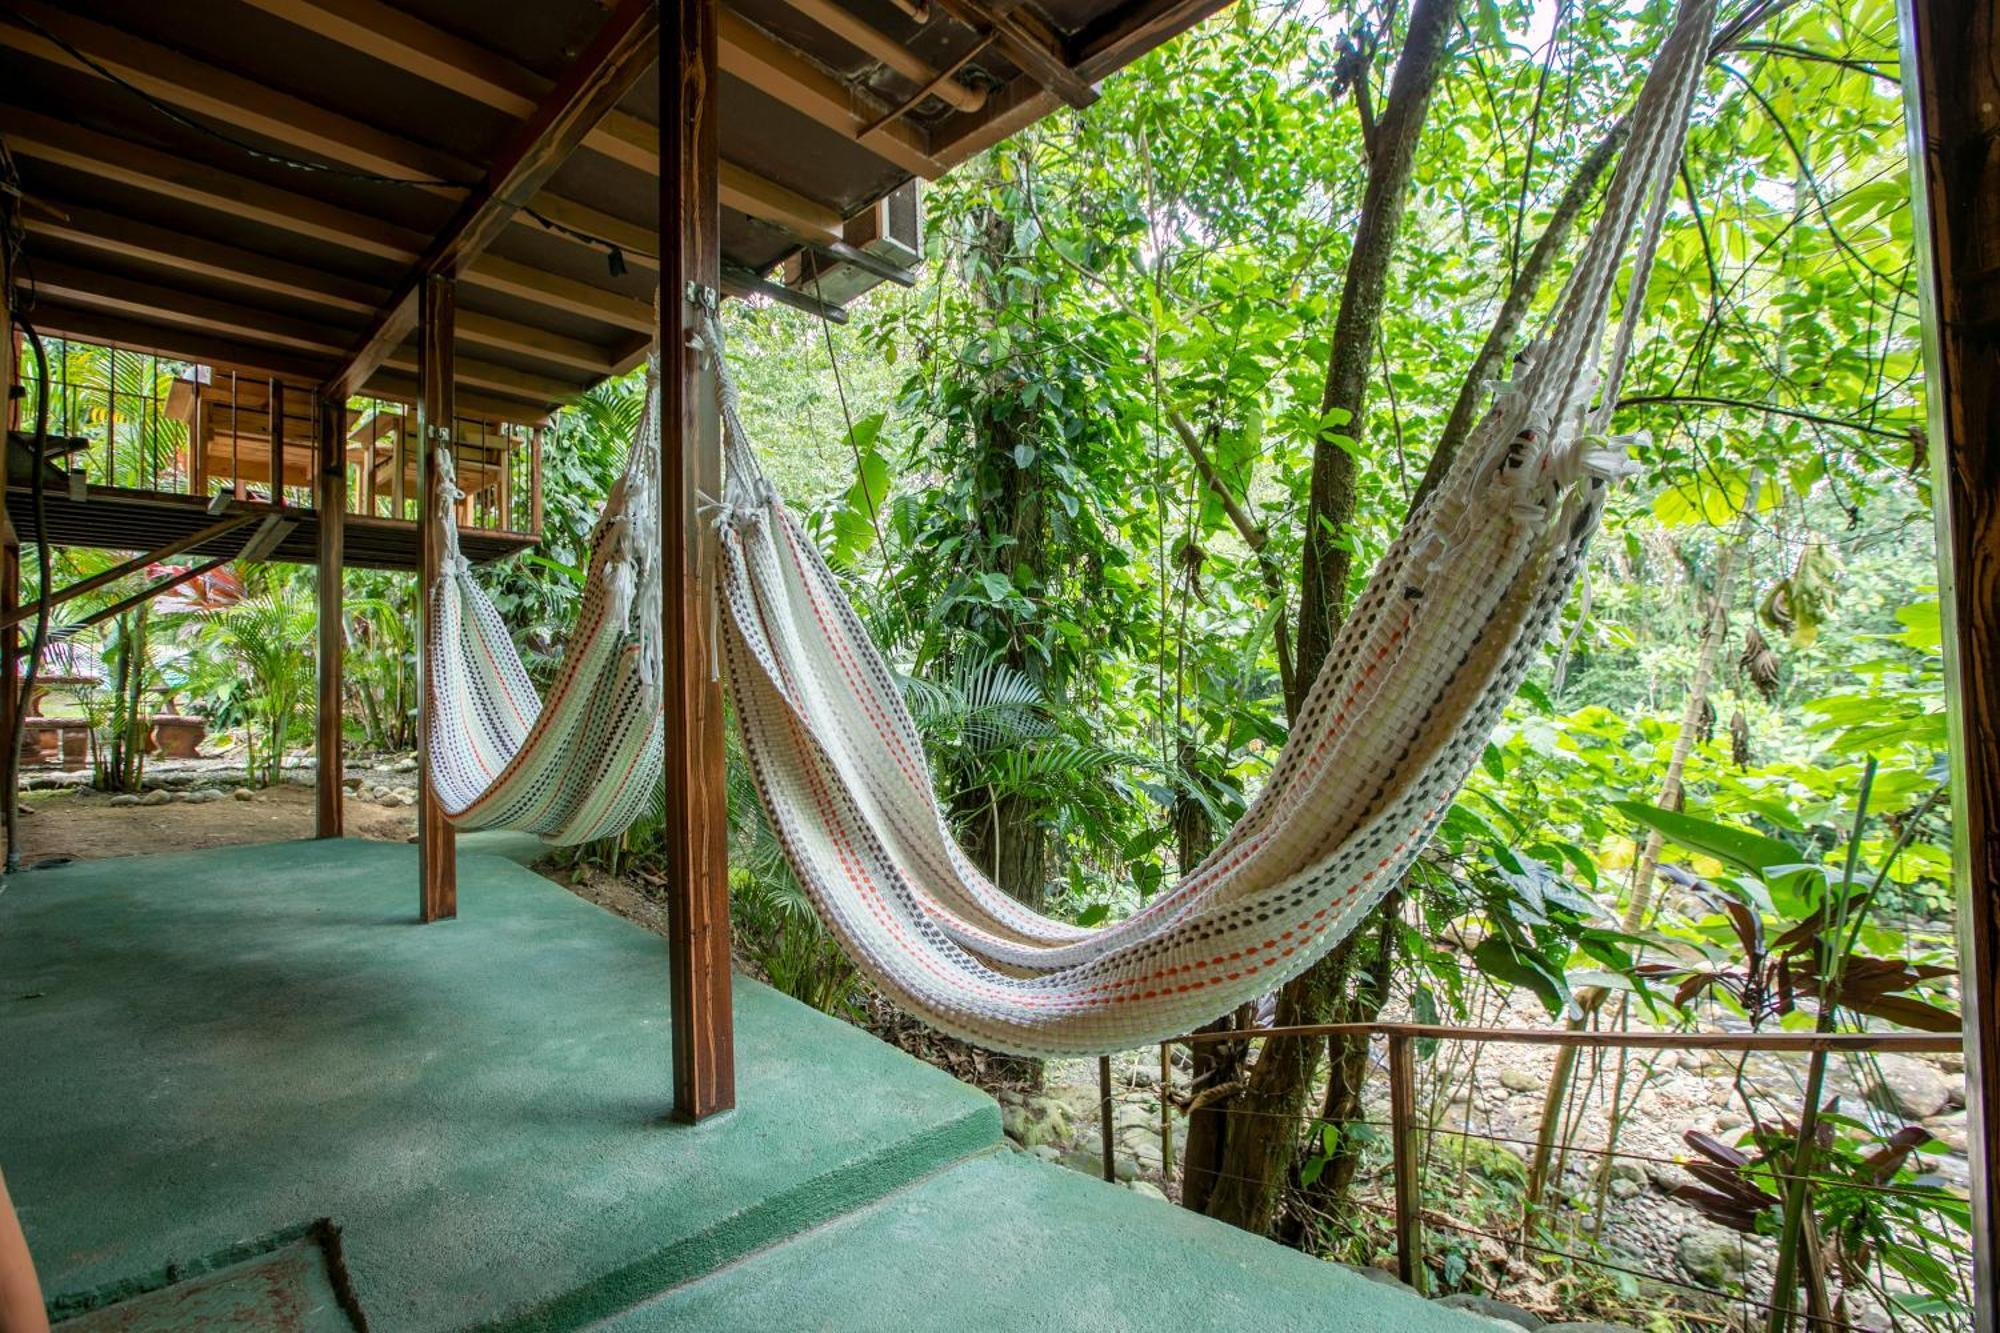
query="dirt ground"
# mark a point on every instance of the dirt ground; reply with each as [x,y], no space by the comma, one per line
[75,826]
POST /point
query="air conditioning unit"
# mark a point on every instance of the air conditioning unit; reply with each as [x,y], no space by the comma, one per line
[891,229]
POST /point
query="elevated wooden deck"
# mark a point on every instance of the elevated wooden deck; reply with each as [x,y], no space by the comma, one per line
[112,518]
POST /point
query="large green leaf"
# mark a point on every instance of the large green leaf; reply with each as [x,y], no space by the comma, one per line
[1738,847]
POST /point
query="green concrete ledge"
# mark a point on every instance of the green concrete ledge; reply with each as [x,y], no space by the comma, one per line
[208,1047]
[1007,1241]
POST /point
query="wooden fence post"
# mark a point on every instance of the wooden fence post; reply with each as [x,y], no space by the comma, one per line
[1107,1138]
[1408,1162]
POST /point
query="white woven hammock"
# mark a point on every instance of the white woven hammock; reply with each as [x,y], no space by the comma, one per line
[585,762]
[1451,621]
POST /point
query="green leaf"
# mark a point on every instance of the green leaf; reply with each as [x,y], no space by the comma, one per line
[1501,960]
[1738,847]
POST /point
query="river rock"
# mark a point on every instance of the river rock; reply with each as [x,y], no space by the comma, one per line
[1949,1131]
[389,800]
[1520,1080]
[244,794]
[1033,1121]
[1489,1308]
[124,798]
[158,796]
[1374,1274]
[1907,1087]
[1713,1257]
[204,796]
[1149,1189]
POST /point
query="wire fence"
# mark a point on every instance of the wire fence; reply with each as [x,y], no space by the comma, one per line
[1416,1129]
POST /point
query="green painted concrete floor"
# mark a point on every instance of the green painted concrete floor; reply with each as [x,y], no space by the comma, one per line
[206,1053]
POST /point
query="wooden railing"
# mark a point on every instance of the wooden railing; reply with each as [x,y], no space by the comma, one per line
[1406,1127]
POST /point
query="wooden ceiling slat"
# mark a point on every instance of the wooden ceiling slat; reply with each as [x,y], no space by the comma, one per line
[125,239]
[622,51]
[747,192]
[449,62]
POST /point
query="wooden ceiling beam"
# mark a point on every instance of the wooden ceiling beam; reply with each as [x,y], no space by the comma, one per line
[122,237]
[1029,44]
[621,52]
[495,274]
[397,388]
[503,380]
[748,193]
[747,53]
[178,343]
[160,304]
[539,344]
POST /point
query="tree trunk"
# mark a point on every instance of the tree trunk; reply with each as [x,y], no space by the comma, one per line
[1392,157]
[1006,834]
[1258,1130]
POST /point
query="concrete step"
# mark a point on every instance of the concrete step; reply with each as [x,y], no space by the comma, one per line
[1007,1241]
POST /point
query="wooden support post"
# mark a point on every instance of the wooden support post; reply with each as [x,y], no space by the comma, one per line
[331,500]
[437,849]
[368,496]
[697,798]
[1107,1140]
[10,674]
[1408,1162]
[1951,90]
[535,484]
[198,443]
[274,416]
[1166,1112]
[399,461]
[10,589]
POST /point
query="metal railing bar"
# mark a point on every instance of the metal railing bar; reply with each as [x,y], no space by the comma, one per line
[1796,1042]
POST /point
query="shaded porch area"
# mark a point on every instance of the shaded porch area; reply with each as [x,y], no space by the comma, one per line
[219,1056]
